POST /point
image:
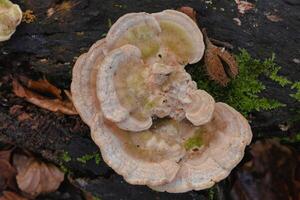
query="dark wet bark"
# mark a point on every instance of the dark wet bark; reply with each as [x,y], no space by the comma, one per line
[50,45]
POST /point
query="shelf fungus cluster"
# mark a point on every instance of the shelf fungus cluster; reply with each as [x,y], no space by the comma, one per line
[152,124]
[10,18]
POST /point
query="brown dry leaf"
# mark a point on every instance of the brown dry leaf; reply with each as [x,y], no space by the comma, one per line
[273,173]
[220,65]
[244,6]
[7,175]
[35,177]
[41,85]
[273,18]
[7,195]
[7,172]
[5,155]
[54,105]
[189,12]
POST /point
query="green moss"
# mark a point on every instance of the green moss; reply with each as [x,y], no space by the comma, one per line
[109,23]
[296,86]
[293,139]
[211,193]
[64,169]
[96,198]
[244,92]
[194,142]
[279,79]
[97,158]
[66,157]
[87,157]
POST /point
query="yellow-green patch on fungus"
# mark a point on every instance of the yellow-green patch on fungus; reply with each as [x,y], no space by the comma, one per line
[131,88]
[5,3]
[176,40]
[194,142]
[144,38]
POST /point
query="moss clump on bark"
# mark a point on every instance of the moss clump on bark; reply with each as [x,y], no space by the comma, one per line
[244,92]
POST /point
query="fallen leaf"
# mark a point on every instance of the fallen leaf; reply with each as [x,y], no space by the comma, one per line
[220,65]
[35,177]
[41,85]
[54,105]
[5,155]
[272,173]
[7,195]
[8,172]
[189,12]
[273,18]
[244,6]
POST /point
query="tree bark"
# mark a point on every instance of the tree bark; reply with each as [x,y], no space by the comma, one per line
[61,32]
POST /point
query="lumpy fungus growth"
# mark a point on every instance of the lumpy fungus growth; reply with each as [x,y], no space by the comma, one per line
[151,122]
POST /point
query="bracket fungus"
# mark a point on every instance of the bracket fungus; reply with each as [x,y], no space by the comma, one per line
[151,123]
[10,18]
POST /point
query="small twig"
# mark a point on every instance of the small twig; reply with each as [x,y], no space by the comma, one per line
[220,43]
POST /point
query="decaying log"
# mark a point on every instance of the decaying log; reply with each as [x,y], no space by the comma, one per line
[49,44]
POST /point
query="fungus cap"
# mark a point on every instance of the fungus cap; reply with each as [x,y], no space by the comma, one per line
[169,36]
[151,123]
[158,157]
[83,86]
[138,29]
[229,133]
[10,18]
[114,89]
[181,34]
[141,158]
[125,95]
[200,111]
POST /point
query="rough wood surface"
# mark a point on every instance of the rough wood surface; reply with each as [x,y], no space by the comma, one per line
[49,46]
